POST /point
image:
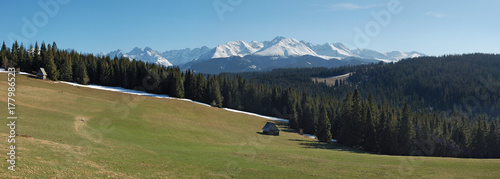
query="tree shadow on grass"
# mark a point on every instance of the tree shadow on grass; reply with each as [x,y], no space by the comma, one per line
[283,126]
[315,144]
[288,130]
[281,123]
[328,146]
[260,133]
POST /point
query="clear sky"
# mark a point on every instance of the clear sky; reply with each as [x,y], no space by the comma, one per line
[433,27]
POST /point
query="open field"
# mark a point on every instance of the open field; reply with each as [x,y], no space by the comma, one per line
[128,136]
[330,81]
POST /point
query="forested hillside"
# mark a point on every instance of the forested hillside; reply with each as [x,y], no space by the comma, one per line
[468,84]
[395,109]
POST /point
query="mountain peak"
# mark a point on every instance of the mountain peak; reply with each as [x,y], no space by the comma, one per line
[117,51]
[148,49]
[136,50]
[278,38]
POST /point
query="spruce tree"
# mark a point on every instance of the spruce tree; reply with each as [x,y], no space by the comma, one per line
[50,66]
[3,54]
[393,137]
[406,131]
[387,136]
[214,93]
[81,75]
[459,138]
[14,55]
[176,84]
[22,60]
[369,124]
[478,144]
[323,127]
[291,106]
[37,59]
[4,49]
[189,85]
[357,117]
[28,60]
[345,121]
[66,70]
[492,141]
[200,86]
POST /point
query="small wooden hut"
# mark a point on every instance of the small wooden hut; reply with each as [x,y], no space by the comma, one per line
[271,129]
[41,74]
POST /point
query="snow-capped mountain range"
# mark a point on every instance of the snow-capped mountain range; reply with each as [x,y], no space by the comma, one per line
[147,55]
[278,48]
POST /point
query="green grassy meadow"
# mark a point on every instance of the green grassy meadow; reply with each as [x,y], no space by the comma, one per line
[129,136]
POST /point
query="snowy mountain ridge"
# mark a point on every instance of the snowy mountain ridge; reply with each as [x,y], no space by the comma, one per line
[289,47]
[279,47]
[147,55]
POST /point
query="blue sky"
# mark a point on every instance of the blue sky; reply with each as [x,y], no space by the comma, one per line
[434,27]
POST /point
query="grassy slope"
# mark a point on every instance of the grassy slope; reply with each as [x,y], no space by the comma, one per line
[126,136]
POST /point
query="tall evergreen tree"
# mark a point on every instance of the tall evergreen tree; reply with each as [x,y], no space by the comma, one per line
[406,131]
[80,72]
[392,142]
[37,59]
[50,66]
[14,55]
[387,138]
[492,141]
[291,106]
[28,60]
[356,119]
[21,58]
[3,54]
[176,84]
[214,93]
[345,122]
[323,127]
[478,143]
[459,139]
[189,85]
[199,87]
[66,69]
[369,124]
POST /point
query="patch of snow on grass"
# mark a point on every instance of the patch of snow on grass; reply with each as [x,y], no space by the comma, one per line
[258,115]
[119,89]
[314,137]
[339,76]
[311,136]
[2,70]
[129,91]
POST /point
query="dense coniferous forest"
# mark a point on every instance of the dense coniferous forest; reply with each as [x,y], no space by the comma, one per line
[399,108]
[468,84]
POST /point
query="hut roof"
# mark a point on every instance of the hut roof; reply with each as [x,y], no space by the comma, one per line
[270,127]
[41,72]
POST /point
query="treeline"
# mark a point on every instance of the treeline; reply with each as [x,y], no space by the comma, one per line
[380,128]
[354,121]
